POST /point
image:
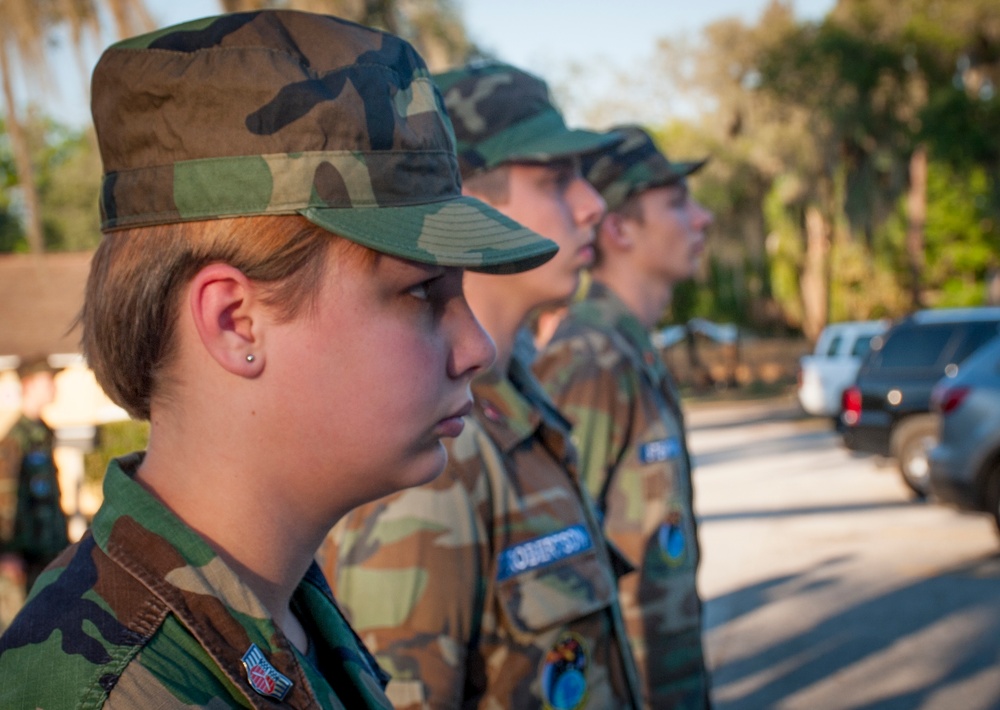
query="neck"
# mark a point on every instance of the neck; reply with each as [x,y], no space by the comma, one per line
[32,412]
[498,310]
[261,532]
[645,298]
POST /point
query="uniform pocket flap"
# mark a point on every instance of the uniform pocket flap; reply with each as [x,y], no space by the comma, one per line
[553,579]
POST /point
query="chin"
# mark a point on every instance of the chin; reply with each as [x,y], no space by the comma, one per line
[423,467]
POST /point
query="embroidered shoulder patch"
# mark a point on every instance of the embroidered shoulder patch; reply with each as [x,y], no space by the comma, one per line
[661,450]
[564,674]
[543,551]
[263,677]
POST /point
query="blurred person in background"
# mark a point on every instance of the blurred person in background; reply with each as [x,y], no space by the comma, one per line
[604,373]
[500,588]
[32,521]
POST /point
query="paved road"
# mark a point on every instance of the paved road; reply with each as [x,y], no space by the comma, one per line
[827,587]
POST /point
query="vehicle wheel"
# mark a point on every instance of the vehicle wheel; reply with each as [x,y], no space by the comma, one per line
[912,441]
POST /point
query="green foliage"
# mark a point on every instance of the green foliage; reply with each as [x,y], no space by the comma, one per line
[865,286]
[722,297]
[784,247]
[11,233]
[68,173]
[114,439]
[856,94]
[962,238]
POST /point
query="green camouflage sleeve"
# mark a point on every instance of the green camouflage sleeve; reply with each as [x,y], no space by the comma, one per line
[632,462]
[409,571]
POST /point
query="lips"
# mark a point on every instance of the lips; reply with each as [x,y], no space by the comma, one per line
[464,410]
[452,425]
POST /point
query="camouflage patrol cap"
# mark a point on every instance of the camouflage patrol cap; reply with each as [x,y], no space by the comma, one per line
[504,115]
[632,166]
[282,112]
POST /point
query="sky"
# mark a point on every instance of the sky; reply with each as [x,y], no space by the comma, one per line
[541,36]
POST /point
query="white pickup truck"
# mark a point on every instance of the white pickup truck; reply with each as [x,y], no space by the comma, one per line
[833,364]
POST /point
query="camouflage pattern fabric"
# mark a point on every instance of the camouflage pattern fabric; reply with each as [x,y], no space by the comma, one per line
[633,166]
[143,614]
[490,587]
[282,112]
[606,376]
[504,115]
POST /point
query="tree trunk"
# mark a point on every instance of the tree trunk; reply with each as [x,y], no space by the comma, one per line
[813,282]
[22,160]
[916,209]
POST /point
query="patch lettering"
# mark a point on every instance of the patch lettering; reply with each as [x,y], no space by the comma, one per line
[661,450]
[543,551]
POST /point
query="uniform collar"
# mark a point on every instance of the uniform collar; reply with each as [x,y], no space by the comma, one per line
[603,307]
[513,406]
[176,564]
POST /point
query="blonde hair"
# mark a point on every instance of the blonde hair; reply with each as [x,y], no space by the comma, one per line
[137,276]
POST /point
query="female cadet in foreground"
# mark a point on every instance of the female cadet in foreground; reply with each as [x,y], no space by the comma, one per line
[279,292]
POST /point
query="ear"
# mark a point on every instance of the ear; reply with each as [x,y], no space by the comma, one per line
[615,232]
[226,311]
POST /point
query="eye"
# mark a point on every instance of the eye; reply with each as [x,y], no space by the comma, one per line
[566,175]
[421,290]
[424,289]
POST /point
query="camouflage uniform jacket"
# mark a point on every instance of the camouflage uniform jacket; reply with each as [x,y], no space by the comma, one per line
[142,613]
[492,586]
[604,373]
[32,522]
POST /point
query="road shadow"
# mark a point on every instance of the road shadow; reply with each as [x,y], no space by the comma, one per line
[742,416]
[805,510]
[792,442]
[884,624]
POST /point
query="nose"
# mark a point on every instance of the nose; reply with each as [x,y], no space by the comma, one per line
[703,217]
[586,203]
[472,348]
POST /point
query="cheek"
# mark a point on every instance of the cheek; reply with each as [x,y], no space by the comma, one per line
[550,218]
[400,368]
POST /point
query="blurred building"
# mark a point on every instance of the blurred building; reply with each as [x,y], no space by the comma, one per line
[40,297]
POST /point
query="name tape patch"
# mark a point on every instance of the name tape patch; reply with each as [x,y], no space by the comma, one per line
[543,551]
[661,450]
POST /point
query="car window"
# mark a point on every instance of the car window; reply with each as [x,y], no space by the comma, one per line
[861,346]
[834,346]
[915,347]
[976,334]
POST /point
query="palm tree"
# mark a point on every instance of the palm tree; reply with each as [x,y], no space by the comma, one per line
[434,27]
[26,26]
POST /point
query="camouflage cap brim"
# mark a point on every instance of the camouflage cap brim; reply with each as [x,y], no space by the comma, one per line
[462,232]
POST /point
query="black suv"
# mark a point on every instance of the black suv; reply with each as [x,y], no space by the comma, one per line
[887,411]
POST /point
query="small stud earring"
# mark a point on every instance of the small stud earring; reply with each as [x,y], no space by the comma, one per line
[250,358]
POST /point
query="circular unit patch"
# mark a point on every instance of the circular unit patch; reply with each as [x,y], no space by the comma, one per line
[672,543]
[564,674]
